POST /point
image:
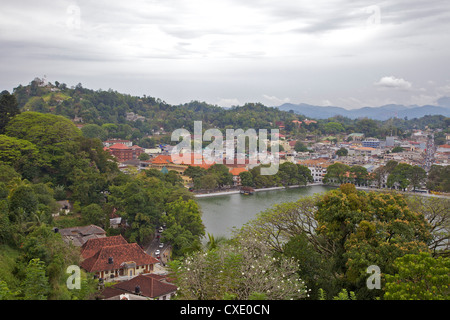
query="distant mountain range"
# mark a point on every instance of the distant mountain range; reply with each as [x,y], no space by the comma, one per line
[377,113]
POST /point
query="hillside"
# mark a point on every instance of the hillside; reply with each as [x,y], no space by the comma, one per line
[148,120]
[381,113]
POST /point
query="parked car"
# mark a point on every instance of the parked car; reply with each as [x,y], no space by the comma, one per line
[157,252]
[161,245]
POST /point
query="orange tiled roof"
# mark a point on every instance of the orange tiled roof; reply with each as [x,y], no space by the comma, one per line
[120,254]
[118,146]
[162,159]
[92,246]
[236,171]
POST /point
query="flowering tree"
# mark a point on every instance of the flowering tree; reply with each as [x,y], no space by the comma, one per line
[242,270]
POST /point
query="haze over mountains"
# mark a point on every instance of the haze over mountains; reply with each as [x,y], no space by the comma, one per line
[377,113]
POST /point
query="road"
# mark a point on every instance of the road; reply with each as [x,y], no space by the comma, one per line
[155,245]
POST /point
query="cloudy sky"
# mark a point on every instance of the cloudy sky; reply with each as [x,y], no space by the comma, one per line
[345,53]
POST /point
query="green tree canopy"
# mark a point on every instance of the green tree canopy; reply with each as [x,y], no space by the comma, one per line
[8,109]
[419,277]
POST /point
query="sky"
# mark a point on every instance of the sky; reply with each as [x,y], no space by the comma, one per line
[343,53]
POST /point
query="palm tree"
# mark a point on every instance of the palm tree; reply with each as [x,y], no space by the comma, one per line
[214,242]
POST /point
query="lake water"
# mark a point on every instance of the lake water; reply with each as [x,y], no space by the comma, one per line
[221,213]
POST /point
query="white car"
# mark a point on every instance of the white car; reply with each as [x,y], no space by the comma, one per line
[157,253]
[161,245]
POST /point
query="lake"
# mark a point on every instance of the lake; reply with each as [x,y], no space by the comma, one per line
[223,212]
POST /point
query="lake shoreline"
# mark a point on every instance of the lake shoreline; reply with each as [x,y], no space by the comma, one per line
[225,193]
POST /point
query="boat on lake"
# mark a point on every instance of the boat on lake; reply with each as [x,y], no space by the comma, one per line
[247,190]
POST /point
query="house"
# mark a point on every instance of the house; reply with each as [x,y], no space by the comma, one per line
[318,168]
[297,123]
[363,151]
[149,286]
[80,235]
[355,136]
[116,261]
[64,208]
[236,177]
[124,153]
[308,122]
[371,143]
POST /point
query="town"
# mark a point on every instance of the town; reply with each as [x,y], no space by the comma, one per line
[109,188]
[316,153]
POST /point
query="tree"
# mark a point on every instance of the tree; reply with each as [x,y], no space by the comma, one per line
[184,226]
[435,211]
[35,285]
[300,147]
[55,137]
[47,246]
[368,229]
[399,176]
[20,154]
[359,175]
[8,109]
[224,177]
[367,126]
[397,149]
[23,204]
[6,293]
[342,152]
[93,214]
[417,177]
[333,127]
[246,179]
[337,172]
[439,178]
[294,174]
[242,270]
[144,157]
[140,201]
[194,172]
[94,131]
[312,267]
[209,181]
[419,277]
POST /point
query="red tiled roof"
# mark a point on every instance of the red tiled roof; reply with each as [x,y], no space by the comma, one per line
[118,146]
[150,286]
[92,246]
[120,253]
[236,171]
[162,159]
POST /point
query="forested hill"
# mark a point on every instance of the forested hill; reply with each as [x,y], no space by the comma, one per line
[110,114]
[102,107]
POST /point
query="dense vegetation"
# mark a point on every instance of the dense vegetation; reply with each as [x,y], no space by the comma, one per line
[45,158]
[321,247]
[104,114]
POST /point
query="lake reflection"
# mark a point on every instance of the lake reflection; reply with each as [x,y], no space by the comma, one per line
[221,213]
